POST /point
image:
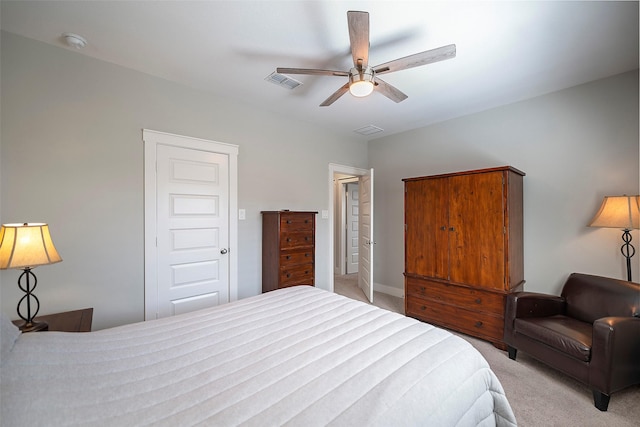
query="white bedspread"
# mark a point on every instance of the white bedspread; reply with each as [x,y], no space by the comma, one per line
[297,356]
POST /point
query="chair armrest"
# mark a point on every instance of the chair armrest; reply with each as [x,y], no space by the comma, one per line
[532,304]
[529,304]
[615,353]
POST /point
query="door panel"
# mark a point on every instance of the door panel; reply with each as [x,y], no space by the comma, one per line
[185,305]
[477,240]
[352,245]
[426,228]
[367,242]
[192,229]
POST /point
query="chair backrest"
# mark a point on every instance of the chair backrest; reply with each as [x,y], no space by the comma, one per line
[592,297]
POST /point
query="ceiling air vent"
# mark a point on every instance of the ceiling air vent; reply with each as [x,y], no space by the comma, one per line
[368,130]
[282,80]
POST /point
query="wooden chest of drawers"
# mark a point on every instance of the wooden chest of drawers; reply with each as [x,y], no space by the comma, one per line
[288,249]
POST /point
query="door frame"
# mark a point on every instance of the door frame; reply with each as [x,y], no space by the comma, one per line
[151,139]
[334,169]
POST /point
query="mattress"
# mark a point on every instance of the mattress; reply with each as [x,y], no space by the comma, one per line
[297,356]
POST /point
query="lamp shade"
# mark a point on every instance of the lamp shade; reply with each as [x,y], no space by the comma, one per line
[618,212]
[26,246]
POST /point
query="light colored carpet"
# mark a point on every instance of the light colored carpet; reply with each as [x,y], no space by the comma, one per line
[539,395]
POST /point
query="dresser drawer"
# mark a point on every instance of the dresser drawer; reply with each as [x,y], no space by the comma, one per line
[296,222]
[296,239]
[471,322]
[296,275]
[296,257]
[473,299]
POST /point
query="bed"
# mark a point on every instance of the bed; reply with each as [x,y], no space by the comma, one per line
[297,356]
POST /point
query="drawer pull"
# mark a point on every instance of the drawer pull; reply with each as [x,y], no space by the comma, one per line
[288,275]
[422,288]
[478,324]
[306,238]
[478,300]
[306,254]
[289,221]
[288,239]
[423,308]
[306,221]
[288,256]
[443,228]
[306,272]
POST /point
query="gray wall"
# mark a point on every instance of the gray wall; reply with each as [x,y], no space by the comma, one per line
[72,156]
[576,146]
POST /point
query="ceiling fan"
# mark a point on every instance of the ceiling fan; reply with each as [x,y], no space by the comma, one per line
[364,79]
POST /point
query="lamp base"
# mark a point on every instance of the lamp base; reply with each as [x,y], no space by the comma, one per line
[34,326]
[627,250]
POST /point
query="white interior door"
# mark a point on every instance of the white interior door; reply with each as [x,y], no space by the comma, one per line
[190,233]
[351,241]
[367,242]
[193,229]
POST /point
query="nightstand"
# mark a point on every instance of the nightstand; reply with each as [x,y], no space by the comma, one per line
[69,321]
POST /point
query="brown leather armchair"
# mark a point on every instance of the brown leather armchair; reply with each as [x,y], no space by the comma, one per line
[591,332]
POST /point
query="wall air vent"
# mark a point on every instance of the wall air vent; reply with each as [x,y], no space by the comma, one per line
[368,130]
[282,80]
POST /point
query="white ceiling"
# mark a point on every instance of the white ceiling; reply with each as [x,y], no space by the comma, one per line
[507,51]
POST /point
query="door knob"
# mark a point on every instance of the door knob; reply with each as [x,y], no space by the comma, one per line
[223,251]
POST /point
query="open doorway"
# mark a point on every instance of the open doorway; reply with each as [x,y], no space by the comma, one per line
[351,226]
[346,225]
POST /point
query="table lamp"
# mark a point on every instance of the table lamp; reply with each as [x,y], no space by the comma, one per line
[620,212]
[26,246]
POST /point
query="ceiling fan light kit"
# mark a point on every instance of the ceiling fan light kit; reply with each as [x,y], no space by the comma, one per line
[362,77]
[361,82]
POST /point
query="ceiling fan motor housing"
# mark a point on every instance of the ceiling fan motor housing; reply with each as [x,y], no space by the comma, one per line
[361,81]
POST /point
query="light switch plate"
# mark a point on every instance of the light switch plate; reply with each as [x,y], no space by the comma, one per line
[242,214]
[325,214]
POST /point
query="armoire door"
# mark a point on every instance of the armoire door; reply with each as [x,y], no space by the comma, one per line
[427,228]
[477,230]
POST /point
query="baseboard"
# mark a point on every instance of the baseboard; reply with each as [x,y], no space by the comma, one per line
[389,290]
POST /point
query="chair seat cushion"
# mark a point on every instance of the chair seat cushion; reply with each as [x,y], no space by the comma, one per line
[567,335]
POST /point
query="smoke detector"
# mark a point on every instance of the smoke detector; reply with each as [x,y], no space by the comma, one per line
[74,40]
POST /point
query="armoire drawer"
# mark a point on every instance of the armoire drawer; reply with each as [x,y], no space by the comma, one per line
[472,322]
[471,298]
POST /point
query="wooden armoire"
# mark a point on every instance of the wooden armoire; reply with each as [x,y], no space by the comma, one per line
[464,249]
[288,249]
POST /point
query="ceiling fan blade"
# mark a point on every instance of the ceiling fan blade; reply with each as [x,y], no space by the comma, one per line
[418,59]
[335,95]
[389,91]
[312,72]
[359,37]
